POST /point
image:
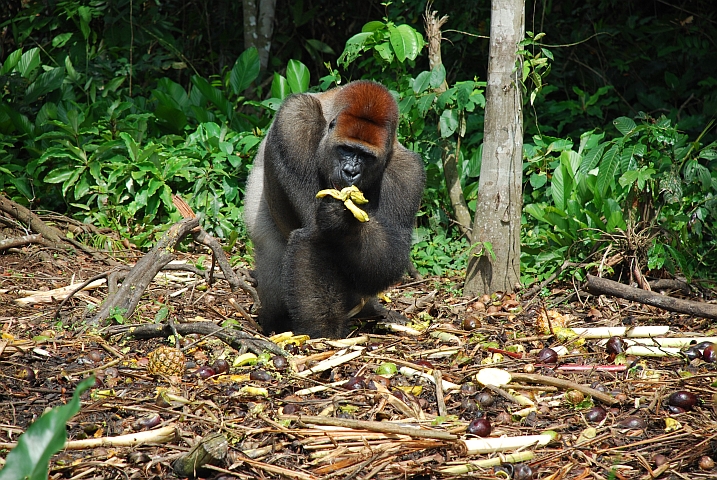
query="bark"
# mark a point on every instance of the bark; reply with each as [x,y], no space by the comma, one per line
[127,297]
[450,153]
[498,209]
[22,214]
[259,27]
[603,286]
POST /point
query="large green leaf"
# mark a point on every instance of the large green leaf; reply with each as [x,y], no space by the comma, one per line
[11,61]
[45,83]
[214,95]
[298,76]
[608,167]
[448,122]
[31,457]
[29,61]
[624,125]
[404,42]
[245,70]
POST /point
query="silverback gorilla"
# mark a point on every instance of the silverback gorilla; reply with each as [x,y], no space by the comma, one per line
[316,265]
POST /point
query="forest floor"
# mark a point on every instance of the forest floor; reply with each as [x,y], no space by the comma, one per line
[366,408]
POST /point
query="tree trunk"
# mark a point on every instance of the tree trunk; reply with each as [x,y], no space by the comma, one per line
[259,27]
[450,153]
[498,210]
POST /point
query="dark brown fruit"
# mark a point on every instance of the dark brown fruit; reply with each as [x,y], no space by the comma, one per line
[692,352]
[423,363]
[615,346]
[707,463]
[290,409]
[480,427]
[709,354]
[280,362]
[522,471]
[485,399]
[632,423]
[356,383]
[147,422]
[471,323]
[468,388]
[260,375]
[683,399]
[205,372]
[220,366]
[547,355]
[595,415]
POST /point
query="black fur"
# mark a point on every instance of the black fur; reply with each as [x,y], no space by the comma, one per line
[315,262]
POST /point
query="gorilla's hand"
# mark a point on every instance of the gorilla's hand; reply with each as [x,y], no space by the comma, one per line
[351,196]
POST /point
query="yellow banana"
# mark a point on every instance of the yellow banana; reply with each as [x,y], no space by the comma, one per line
[350,196]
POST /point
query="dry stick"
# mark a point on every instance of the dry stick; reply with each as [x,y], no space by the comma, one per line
[440,400]
[235,281]
[285,472]
[383,427]
[161,435]
[600,286]
[567,384]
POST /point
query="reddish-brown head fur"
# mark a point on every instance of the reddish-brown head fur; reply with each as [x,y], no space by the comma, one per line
[369,115]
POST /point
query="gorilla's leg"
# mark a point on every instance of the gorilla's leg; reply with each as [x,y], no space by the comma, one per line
[317,292]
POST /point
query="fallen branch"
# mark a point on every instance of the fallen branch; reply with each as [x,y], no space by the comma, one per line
[22,214]
[566,384]
[602,286]
[161,435]
[20,241]
[231,336]
[383,427]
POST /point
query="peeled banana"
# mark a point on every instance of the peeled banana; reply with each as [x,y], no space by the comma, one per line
[350,196]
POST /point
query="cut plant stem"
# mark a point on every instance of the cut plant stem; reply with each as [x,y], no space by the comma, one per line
[474,446]
[490,462]
[629,332]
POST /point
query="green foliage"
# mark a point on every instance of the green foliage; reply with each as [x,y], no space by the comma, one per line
[436,254]
[649,192]
[30,459]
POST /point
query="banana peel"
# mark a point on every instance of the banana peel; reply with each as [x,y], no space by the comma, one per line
[351,196]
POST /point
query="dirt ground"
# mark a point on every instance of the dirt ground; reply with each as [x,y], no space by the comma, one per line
[374,412]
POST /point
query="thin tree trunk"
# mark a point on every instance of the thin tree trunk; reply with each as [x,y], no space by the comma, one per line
[450,153]
[498,210]
[259,27]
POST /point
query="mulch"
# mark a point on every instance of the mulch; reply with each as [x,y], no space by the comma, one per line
[362,408]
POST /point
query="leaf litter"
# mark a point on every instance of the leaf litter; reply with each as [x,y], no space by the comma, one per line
[388,403]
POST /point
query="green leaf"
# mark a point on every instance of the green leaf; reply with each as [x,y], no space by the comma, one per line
[298,76]
[425,103]
[422,82]
[448,122]
[438,76]
[60,40]
[214,95]
[607,169]
[59,175]
[11,61]
[245,70]
[31,457]
[45,83]
[132,147]
[538,180]
[624,125]
[29,61]
[280,87]
[404,42]
[372,26]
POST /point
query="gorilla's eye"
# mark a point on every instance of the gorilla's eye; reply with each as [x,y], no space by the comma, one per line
[332,124]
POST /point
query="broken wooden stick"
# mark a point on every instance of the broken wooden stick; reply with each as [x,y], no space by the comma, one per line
[603,286]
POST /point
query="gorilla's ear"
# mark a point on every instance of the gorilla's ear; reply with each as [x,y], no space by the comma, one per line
[368,115]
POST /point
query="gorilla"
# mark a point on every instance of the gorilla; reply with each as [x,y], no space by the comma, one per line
[316,264]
